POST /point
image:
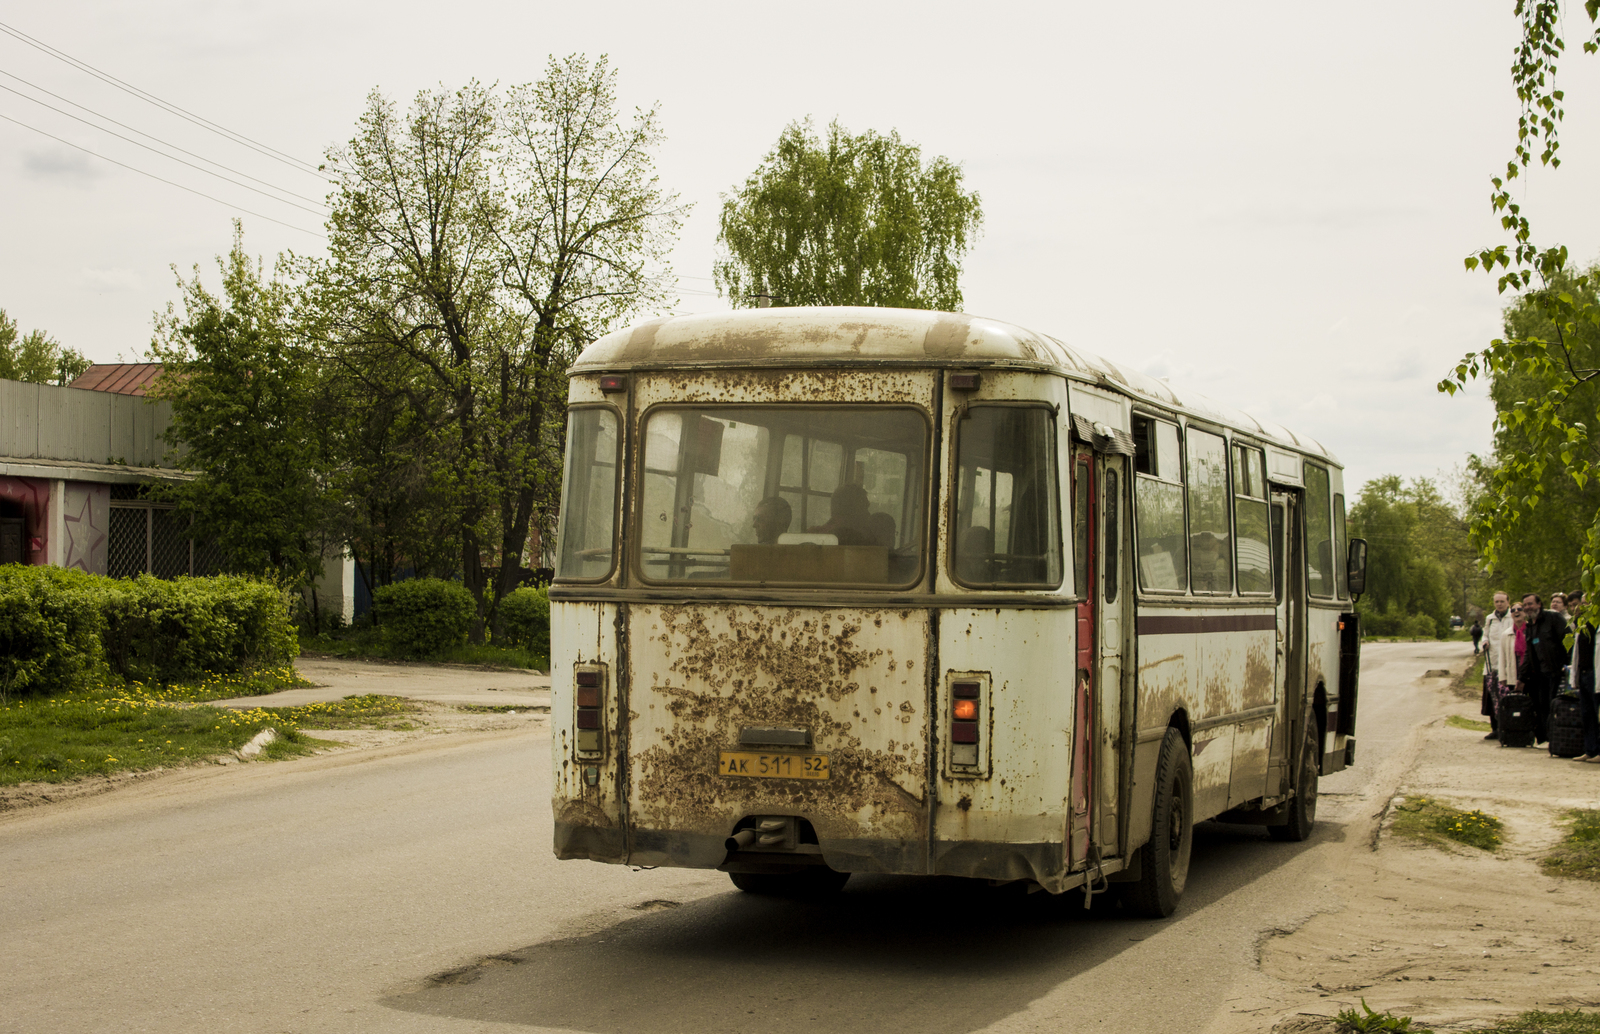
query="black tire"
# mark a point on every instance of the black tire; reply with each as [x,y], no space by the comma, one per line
[819,881]
[1164,859]
[1303,808]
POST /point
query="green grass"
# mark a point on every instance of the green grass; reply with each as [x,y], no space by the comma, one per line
[1578,854]
[364,642]
[120,727]
[1456,721]
[353,712]
[1367,1020]
[1536,1022]
[1432,821]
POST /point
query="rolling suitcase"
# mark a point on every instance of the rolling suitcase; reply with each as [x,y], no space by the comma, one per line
[1566,726]
[1516,720]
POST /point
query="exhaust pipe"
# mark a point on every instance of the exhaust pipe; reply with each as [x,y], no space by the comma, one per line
[740,840]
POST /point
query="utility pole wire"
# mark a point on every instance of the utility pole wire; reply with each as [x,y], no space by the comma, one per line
[150,98]
[153,176]
[147,136]
[163,154]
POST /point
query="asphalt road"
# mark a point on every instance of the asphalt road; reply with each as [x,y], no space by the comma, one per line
[412,889]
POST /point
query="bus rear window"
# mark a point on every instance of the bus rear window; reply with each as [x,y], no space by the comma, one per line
[588,495]
[783,495]
[1007,522]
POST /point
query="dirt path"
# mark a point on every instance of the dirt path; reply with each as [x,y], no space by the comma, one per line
[1452,938]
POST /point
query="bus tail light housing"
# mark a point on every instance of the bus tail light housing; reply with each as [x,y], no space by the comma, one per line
[967,724]
[589,705]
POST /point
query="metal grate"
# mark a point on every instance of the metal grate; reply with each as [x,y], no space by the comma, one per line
[127,552]
[153,538]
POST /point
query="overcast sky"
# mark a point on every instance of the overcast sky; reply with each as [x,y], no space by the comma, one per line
[1264,202]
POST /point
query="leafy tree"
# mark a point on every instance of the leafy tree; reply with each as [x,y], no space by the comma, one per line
[1417,545]
[36,357]
[856,220]
[1539,370]
[1543,555]
[477,243]
[243,397]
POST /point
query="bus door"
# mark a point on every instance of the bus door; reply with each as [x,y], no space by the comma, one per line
[1097,778]
[1290,624]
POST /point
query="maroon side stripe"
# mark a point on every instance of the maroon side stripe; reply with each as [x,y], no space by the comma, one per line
[1172,625]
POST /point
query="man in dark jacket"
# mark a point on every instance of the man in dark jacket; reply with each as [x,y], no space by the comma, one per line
[1541,665]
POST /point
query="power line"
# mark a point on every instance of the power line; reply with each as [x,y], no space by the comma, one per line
[163,154]
[147,136]
[161,179]
[150,98]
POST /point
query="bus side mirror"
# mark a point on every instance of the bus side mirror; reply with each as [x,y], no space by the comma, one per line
[1356,567]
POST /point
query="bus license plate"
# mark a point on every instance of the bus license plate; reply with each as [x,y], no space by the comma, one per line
[773,766]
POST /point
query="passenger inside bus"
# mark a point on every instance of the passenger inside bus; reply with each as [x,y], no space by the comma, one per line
[771,518]
[849,517]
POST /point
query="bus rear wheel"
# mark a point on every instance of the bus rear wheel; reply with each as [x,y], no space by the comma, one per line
[1303,809]
[817,881]
[1164,859]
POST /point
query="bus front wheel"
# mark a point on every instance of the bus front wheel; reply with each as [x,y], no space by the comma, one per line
[1164,859]
[1303,809]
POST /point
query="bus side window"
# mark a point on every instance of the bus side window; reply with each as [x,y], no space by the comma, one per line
[1319,532]
[1253,558]
[1340,564]
[1112,539]
[1081,516]
[1210,543]
[1277,552]
[1158,506]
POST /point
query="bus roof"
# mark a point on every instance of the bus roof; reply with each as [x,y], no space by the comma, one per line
[860,336]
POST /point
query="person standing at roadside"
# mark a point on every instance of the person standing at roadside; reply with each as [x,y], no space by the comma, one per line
[1541,666]
[1499,660]
[1477,635]
[1582,669]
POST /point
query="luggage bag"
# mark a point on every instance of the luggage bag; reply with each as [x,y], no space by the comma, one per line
[1566,726]
[1517,720]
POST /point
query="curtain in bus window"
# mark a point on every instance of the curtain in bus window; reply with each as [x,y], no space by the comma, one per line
[1252,552]
[1319,533]
[1007,519]
[1210,537]
[588,495]
[1341,551]
[783,495]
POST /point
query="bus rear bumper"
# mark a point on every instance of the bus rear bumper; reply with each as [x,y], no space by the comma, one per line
[1042,863]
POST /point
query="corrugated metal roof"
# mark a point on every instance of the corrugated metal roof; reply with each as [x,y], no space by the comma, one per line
[118,378]
[845,336]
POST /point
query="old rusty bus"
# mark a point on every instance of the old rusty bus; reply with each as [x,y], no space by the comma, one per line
[890,591]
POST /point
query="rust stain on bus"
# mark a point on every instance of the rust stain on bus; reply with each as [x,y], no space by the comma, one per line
[792,385]
[788,668]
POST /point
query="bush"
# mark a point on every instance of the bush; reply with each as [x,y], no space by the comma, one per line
[160,630]
[423,616]
[525,620]
[50,622]
[58,627]
[1420,626]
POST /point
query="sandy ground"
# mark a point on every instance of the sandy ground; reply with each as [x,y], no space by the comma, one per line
[1452,937]
[444,694]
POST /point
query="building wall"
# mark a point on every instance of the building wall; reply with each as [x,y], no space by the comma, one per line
[85,521]
[41,421]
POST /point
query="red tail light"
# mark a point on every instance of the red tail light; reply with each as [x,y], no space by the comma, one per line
[966,713]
